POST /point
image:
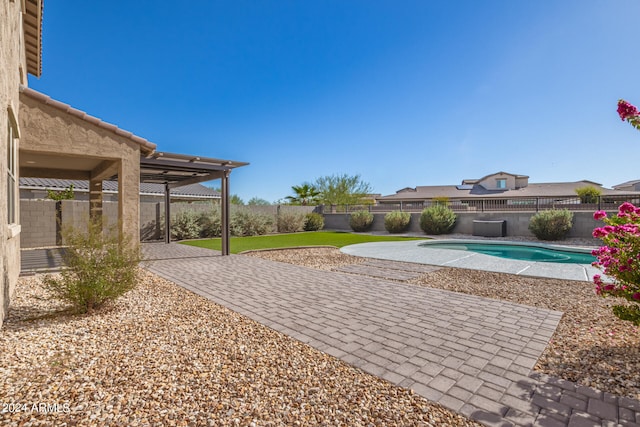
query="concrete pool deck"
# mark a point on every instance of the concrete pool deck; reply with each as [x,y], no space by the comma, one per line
[411,251]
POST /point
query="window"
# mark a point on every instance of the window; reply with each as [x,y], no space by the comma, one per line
[501,183]
[12,173]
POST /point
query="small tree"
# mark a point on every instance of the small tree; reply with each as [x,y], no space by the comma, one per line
[66,194]
[99,267]
[305,194]
[234,199]
[256,201]
[441,200]
[588,194]
[342,190]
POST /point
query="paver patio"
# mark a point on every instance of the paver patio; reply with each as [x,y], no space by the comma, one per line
[471,354]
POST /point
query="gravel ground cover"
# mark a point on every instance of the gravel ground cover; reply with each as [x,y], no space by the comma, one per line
[163,356]
[591,346]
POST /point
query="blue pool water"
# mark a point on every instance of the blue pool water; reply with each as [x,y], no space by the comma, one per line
[519,252]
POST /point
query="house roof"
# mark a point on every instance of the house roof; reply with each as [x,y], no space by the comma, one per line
[475,181]
[33,35]
[146,147]
[626,184]
[550,189]
[196,191]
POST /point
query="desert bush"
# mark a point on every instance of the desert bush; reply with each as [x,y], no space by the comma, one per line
[397,221]
[100,267]
[553,224]
[588,194]
[247,223]
[185,225]
[210,223]
[361,220]
[313,222]
[437,219]
[290,222]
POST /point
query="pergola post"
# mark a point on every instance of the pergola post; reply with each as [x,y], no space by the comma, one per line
[167,213]
[224,208]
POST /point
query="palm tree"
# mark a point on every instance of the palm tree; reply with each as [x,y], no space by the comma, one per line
[305,194]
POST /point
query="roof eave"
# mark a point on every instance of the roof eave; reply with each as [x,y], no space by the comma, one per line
[32,27]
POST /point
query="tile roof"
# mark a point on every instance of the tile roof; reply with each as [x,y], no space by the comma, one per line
[627,183]
[146,147]
[551,189]
[146,189]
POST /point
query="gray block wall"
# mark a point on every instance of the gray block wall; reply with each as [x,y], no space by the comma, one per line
[39,228]
[38,222]
[517,222]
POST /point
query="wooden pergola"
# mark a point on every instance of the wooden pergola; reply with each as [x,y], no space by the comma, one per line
[175,170]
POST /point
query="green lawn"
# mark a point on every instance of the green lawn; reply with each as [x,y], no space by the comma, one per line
[311,238]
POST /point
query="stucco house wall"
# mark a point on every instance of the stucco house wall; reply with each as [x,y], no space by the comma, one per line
[12,74]
[491,181]
[52,131]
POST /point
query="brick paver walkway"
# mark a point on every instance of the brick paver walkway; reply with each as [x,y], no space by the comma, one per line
[471,354]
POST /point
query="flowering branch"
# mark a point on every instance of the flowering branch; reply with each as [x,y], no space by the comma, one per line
[619,259]
[629,112]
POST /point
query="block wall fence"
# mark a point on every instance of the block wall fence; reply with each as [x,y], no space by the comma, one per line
[39,224]
[517,222]
[39,228]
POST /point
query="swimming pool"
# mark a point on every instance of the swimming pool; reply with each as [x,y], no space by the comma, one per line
[523,252]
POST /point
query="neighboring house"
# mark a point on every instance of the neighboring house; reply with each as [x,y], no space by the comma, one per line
[500,185]
[628,186]
[20,53]
[36,188]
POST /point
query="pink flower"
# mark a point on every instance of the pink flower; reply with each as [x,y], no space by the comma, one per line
[626,110]
[599,215]
[599,233]
[627,208]
[636,296]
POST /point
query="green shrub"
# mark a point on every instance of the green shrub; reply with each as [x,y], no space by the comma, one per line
[210,223]
[290,222]
[396,221]
[313,222]
[247,223]
[588,194]
[551,224]
[437,219]
[100,267]
[361,220]
[185,225]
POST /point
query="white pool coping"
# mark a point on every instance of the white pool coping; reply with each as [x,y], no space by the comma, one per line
[411,251]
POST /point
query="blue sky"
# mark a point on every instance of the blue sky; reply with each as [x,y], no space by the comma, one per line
[403,93]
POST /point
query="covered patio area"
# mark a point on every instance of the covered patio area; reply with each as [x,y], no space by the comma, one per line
[59,141]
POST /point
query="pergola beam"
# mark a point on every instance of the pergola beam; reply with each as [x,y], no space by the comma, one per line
[105,170]
[177,170]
